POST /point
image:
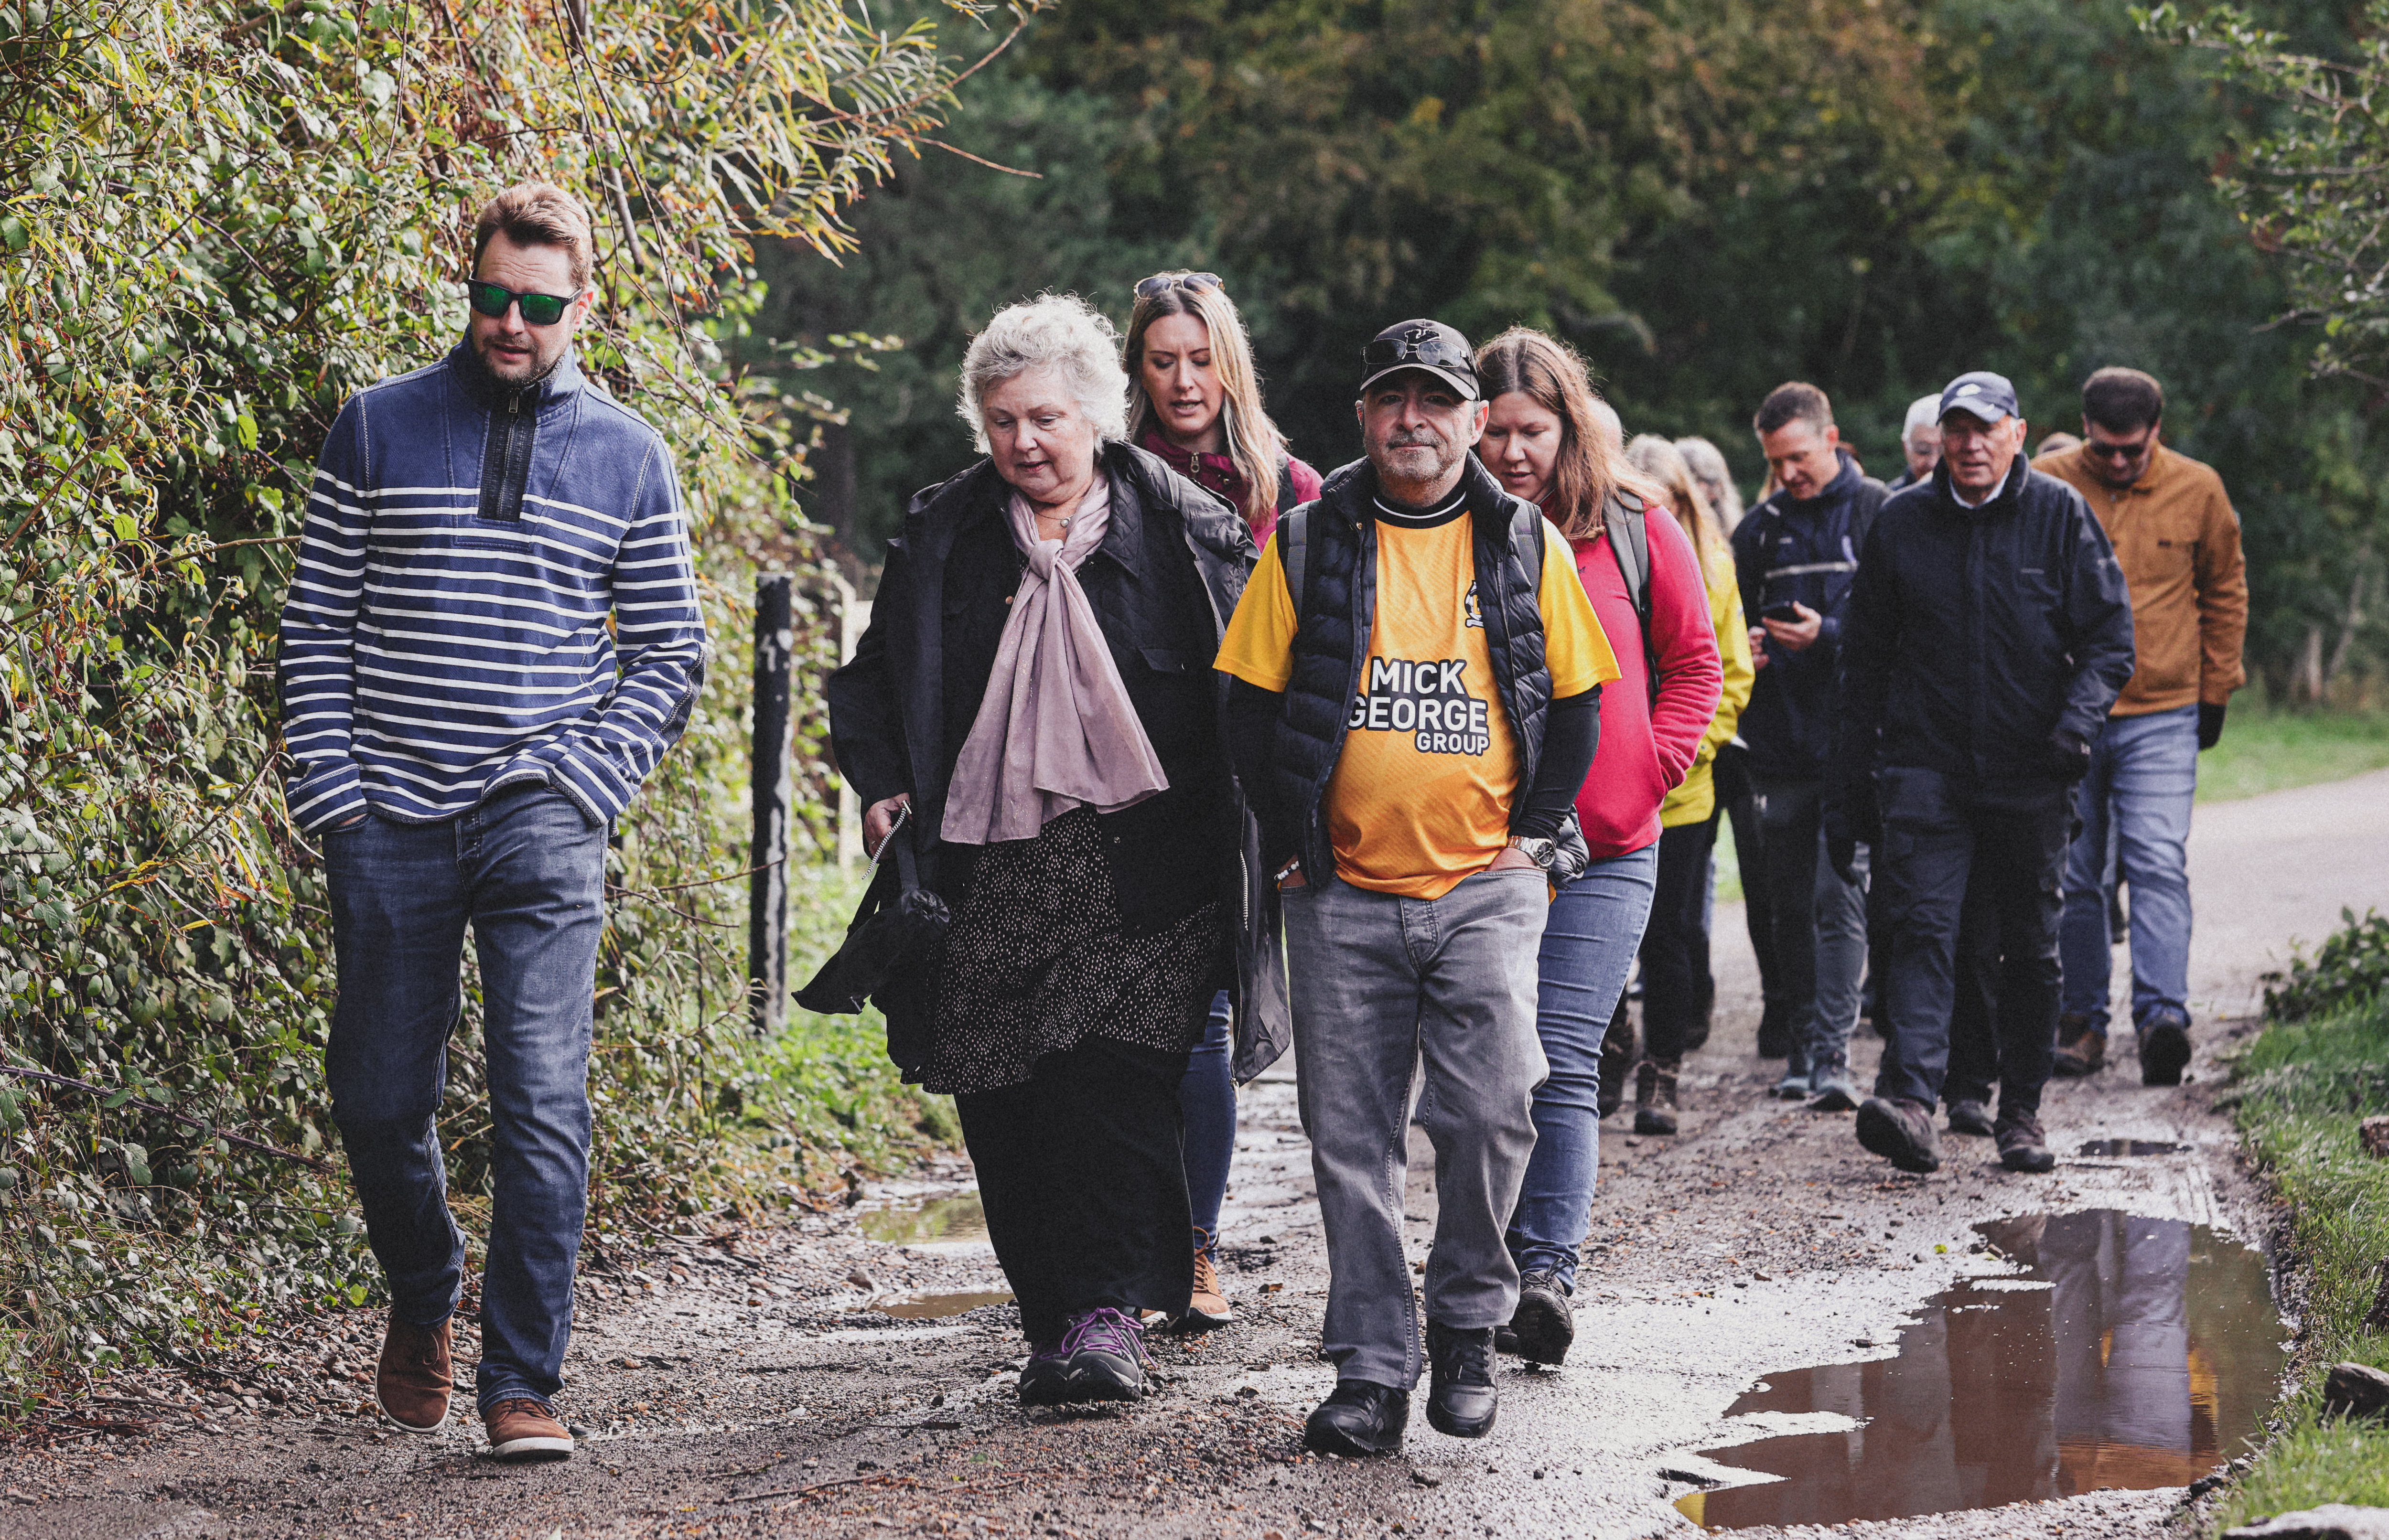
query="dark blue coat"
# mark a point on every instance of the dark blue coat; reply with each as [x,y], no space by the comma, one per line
[1787,552]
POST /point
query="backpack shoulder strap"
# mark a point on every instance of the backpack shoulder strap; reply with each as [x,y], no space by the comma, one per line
[1629,543]
[1284,486]
[1293,546]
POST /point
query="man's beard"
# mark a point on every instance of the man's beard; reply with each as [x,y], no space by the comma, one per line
[1443,459]
[532,375]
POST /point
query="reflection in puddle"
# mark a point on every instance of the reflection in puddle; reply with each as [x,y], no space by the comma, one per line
[946,1220]
[2130,1147]
[2144,1357]
[936,1307]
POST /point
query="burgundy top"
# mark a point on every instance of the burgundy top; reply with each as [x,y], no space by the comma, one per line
[1219,473]
[1646,749]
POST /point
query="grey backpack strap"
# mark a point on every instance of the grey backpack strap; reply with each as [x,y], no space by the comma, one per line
[1629,543]
[1293,541]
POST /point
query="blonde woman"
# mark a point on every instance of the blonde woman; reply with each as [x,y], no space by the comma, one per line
[1676,942]
[1195,399]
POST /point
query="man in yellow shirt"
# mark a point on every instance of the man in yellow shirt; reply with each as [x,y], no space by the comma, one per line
[1415,703]
[2179,543]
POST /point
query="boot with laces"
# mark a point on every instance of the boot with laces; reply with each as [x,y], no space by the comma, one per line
[1045,1379]
[1542,1326]
[1208,1308]
[416,1376]
[1900,1131]
[2023,1147]
[1104,1356]
[1460,1399]
[1654,1096]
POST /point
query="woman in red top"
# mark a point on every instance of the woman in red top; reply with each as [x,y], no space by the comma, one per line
[1541,440]
[1195,399]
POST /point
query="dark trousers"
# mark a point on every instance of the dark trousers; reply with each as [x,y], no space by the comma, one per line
[1758,913]
[1676,942]
[1942,835]
[1083,1178]
[1973,1012]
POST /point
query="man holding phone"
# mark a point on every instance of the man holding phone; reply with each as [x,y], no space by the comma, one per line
[1795,555]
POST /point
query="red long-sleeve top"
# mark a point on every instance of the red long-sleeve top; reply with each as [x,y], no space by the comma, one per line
[1647,748]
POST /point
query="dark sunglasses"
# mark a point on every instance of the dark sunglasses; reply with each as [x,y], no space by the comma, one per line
[494,299]
[2117,452]
[1418,346]
[1162,282]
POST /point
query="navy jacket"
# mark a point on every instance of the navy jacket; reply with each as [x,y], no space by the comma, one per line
[1975,636]
[1786,552]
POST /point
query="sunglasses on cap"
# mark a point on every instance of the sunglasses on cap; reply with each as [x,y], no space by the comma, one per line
[1162,282]
[494,299]
[1418,346]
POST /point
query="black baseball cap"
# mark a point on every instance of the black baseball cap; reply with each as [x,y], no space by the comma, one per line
[1979,394]
[1428,345]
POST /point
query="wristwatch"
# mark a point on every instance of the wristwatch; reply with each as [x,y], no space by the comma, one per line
[1542,852]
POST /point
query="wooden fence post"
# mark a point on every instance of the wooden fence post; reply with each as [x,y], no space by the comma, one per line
[775,790]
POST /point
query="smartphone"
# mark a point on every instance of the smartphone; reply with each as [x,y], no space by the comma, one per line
[1788,614]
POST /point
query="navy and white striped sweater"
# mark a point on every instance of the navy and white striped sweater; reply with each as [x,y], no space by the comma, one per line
[435,648]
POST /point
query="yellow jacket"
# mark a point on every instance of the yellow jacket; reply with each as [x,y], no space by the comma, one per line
[1694,800]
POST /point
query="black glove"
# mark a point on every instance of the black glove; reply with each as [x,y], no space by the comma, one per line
[2069,757]
[1842,852]
[1853,813]
[1730,773]
[2210,726]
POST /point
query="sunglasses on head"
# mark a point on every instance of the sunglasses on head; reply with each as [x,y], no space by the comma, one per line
[1417,347]
[1162,282]
[494,299]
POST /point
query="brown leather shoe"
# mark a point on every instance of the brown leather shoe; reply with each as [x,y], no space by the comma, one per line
[416,1375]
[2080,1051]
[524,1429]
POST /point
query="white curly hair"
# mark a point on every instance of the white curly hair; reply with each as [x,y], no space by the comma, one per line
[1060,332]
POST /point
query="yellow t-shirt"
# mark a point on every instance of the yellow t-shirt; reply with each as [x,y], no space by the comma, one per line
[1420,796]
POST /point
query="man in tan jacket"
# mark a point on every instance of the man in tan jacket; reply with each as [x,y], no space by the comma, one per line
[2179,541]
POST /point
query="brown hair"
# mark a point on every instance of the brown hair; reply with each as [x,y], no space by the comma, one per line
[1796,403]
[1663,463]
[2123,399]
[537,213]
[1254,442]
[1589,468]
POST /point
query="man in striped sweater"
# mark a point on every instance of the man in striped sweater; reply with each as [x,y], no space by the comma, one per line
[467,725]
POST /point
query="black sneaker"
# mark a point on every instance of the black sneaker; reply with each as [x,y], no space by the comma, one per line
[2164,1049]
[1542,1327]
[1360,1418]
[1968,1115]
[1460,1399]
[2023,1147]
[1103,1357]
[1045,1379]
[1901,1132]
[1775,1033]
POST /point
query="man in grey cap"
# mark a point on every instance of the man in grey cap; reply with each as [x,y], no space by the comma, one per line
[1987,633]
[1414,704]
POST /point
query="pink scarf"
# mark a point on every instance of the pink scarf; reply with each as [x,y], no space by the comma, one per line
[1056,730]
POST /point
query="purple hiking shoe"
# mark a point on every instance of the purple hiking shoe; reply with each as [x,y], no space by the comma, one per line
[1104,1356]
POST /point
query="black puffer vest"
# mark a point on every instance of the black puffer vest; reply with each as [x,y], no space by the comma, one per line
[1331,643]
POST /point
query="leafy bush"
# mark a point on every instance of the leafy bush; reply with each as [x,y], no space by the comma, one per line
[2350,968]
[218,219]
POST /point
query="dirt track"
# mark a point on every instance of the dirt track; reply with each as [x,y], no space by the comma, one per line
[747,1389]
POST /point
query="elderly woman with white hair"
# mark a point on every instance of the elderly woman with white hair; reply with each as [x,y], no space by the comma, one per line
[1033,710]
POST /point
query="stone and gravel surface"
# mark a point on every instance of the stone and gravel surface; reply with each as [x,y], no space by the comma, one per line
[745,1384]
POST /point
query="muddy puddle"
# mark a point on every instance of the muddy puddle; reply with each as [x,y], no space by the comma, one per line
[2122,1147]
[939,1220]
[936,1307]
[2130,1352]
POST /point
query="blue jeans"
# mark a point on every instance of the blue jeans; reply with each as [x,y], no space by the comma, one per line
[1207,1098]
[2143,778]
[1589,945]
[527,873]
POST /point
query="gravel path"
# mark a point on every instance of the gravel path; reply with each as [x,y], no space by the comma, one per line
[744,1386]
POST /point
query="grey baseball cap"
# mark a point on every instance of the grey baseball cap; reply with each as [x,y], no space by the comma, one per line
[1981,395]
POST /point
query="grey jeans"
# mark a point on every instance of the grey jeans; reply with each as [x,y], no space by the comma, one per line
[1383,986]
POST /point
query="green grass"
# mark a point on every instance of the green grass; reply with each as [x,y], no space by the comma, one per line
[2302,1089]
[2269,751]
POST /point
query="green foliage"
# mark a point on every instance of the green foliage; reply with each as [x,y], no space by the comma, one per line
[216,221]
[2306,1086]
[2347,970]
[2269,750]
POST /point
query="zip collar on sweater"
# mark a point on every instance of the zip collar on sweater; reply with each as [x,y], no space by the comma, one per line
[485,391]
[513,425]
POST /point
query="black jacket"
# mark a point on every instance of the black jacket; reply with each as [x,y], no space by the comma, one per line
[1289,755]
[1786,552]
[1163,583]
[1974,636]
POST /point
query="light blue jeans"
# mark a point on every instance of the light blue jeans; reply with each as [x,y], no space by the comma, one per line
[2143,778]
[1589,940]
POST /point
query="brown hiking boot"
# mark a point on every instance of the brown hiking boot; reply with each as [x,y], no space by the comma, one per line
[523,1428]
[2081,1050]
[416,1376]
[1209,1309]
[1617,1061]
[1654,1096]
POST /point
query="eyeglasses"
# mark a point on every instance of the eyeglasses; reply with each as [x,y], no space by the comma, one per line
[494,299]
[1418,345]
[1161,283]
